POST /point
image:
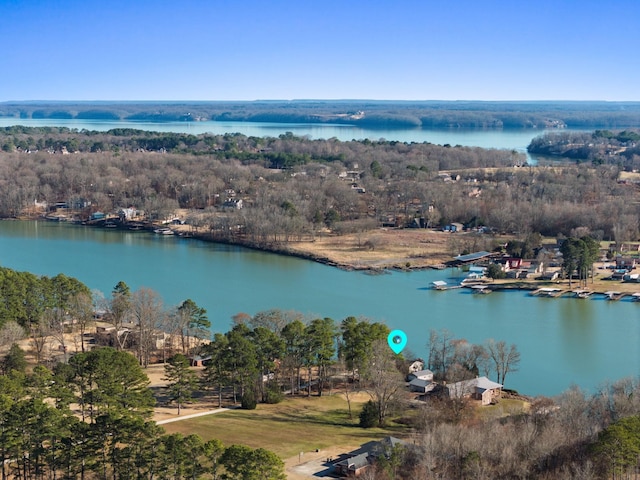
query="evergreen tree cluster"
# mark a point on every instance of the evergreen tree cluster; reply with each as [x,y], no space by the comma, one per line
[91,418]
[25,296]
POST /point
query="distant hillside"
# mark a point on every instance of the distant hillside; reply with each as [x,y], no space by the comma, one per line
[369,113]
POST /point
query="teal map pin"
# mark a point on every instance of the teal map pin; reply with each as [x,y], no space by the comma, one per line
[397,340]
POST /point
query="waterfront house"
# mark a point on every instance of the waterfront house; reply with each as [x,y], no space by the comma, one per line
[127,214]
[420,385]
[625,263]
[480,388]
[232,204]
[476,273]
[618,274]
[549,275]
[415,365]
[421,374]
[511,263]
[624,247]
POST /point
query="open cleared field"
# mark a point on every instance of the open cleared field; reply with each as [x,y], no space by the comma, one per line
[288,428]
[392,248]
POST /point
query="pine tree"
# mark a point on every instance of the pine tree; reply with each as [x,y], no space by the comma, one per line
[182,380]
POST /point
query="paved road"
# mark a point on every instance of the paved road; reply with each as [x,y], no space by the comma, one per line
[194,415]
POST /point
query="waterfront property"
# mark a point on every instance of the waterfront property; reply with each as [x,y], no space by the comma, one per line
[581,343]
[422,375]
[480,388]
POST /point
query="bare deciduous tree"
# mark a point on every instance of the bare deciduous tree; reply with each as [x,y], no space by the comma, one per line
[147,310]
[382,378]
[505,358]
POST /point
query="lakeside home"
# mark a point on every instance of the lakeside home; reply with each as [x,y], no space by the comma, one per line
[480,388]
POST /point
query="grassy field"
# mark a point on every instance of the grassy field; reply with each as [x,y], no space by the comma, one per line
[288,428]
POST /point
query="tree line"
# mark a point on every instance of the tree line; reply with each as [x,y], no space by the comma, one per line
[372,113]
[589,436]
[601,147]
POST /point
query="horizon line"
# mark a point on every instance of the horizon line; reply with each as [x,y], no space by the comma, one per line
[320,100]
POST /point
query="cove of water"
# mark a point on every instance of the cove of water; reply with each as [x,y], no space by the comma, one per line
[562,341]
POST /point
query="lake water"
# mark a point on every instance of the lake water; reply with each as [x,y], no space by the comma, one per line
[511,139]
[563,341]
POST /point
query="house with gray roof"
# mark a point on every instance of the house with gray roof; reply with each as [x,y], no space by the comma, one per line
[421,374]
[479,388]
[355,463]
[420,385]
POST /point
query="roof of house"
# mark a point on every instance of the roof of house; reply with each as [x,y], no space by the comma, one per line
[370,451]
[471,257]
[420,382]
[422,373]
[355,462]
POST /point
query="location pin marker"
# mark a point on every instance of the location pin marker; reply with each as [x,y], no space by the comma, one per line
[397,340]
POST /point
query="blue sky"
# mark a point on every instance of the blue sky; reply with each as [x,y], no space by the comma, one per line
[325,49]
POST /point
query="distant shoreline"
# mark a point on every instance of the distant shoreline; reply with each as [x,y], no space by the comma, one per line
[386,114]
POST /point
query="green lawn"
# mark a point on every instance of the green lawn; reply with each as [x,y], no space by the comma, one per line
[505,407]
[288,428]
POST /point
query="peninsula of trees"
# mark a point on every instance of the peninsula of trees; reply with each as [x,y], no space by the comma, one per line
[598,147]
[269,192]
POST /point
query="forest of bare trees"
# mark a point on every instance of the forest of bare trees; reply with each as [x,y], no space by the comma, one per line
[293,187]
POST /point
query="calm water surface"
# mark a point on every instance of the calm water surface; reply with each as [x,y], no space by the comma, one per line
[562,341]
[511,139]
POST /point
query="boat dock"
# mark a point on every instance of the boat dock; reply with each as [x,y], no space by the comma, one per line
[481,289]
[543,291]
[582,293]
[611,295]
[549,292]
[442,285]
